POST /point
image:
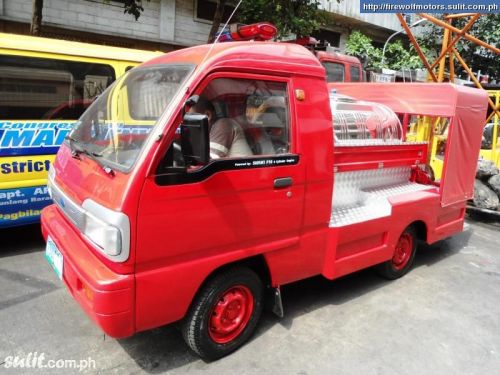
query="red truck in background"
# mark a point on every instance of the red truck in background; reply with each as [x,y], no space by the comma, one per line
[159,218]
[339,67]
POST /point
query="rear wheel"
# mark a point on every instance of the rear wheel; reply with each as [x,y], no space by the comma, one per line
[224,314]
[402,259]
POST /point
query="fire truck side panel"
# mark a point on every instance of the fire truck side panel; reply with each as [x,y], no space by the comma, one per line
[357,246]
[243,216]
[312,113]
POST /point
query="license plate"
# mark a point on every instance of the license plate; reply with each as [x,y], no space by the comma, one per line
[54,257]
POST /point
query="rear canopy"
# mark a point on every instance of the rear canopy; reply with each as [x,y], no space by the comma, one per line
[465,107]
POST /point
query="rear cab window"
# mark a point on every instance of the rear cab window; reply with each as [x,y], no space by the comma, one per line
[335,72]
[355,73]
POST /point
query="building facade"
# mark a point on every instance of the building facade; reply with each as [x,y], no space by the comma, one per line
[346,18]
[166,24]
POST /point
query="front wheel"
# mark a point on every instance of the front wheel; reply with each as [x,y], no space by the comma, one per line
[224,314]
[402,259]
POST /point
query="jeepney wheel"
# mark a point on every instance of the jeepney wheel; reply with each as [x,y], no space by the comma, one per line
[402,259]
[224,314]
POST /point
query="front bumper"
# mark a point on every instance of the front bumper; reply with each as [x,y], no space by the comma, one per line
[107,297]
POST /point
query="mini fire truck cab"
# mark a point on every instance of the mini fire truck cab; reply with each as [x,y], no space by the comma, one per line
[148,229]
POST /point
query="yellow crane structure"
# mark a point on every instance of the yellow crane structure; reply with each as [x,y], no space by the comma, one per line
[434,130]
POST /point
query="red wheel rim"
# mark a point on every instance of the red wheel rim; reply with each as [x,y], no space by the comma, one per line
[230,314]
[404,250]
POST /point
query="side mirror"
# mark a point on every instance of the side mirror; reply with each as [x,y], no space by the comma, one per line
[195,139]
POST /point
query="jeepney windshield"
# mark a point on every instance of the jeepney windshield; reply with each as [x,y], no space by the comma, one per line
[116,126]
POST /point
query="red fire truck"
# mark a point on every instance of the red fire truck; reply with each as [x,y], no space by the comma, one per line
[207,178]
[338,67]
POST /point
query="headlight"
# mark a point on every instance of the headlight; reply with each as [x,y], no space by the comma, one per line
[108,230]
[106,236]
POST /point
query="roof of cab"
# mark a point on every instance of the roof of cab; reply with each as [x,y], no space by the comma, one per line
[337,57]
[64,47]
[269,56]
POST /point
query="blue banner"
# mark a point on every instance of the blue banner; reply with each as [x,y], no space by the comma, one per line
[32,137]
[22,206]
[427,6]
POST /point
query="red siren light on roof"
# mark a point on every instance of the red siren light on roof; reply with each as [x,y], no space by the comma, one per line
[260,31]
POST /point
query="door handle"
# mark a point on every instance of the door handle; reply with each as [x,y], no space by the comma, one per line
[280,183]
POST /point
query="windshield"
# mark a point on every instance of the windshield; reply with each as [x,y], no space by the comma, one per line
[115,127]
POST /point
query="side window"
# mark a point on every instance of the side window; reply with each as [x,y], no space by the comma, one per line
[34,88]
[251,117]
[355,74]
[335,72]
[246,117]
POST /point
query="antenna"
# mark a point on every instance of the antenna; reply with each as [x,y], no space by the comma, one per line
[219,34]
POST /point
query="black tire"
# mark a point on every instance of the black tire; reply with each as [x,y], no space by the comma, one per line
[198,328]
[396,266]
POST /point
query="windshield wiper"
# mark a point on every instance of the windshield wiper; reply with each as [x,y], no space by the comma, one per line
[77,149]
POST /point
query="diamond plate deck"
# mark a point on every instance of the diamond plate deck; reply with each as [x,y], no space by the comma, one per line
[364,195]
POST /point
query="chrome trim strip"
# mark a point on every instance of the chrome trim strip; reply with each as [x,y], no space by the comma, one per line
[77,215]
[73,211]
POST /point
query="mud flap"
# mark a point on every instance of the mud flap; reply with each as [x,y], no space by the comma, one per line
[276,303]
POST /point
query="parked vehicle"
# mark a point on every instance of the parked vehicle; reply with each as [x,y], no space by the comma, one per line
[152,224]
[339,67]
[45,85]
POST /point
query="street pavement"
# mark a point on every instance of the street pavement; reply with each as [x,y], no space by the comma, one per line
[441,318]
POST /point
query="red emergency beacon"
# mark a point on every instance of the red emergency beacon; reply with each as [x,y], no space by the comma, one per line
[260,31]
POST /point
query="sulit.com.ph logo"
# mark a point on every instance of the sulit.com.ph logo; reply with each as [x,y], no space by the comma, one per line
[35,360]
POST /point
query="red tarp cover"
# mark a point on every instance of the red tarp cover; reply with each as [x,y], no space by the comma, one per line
[465,106]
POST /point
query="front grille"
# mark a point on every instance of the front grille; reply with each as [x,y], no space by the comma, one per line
[68,207]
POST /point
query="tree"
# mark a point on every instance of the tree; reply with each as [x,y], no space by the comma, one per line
[486,28]
[359,45]
[132,7]
[135,8]
[299,17]
[36,18]
[398,55]
[219,13]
